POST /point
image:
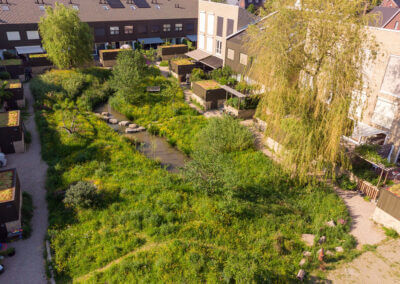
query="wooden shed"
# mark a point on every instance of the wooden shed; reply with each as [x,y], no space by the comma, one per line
[39,60]
[167,52]
[10,205]
[108,57]
[181,67]
[17,100]
[12,66]
[209,93]
[11,132]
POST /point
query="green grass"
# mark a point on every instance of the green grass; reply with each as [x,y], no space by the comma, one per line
[391,233]
[157,225]
[8,62]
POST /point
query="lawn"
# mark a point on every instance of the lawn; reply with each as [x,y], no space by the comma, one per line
[158,226]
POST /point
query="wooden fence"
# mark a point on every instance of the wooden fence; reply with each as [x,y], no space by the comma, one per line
[368,189]
[390,203]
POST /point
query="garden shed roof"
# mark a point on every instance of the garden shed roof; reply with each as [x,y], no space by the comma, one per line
[233,91]
[213,62]
[197,54]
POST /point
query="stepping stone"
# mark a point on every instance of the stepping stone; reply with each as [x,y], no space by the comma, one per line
[339,249]
[124,123]
[132,125]
[302,261]
[105,118]
[322,240]
[105,113]
[113,121]
[307,253]
[131,130]
[308,239]
[330,223]
[141,128]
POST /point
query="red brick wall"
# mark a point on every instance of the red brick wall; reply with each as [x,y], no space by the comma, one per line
[389,3]
[391,25]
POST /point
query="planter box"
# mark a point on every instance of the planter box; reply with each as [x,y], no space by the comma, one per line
[12,66]
[210,92]
[11,132]
[240,113]
[108,57]
[182,67]
[39,60]
[10,203]
[17,100]
[168,52]
[387,211]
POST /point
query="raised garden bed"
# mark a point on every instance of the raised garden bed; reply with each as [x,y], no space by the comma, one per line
[108,57]
[11,132]
[181,67]
[12,66]
[167,52]
[17,100]
[10,201]
[239,113]
[210,92]
[39,60]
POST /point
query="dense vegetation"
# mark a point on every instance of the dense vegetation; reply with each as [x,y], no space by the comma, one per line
[162,227]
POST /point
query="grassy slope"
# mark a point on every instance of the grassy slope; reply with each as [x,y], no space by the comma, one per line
[162,228]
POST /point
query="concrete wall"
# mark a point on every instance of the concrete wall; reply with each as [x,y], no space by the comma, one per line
[386,220]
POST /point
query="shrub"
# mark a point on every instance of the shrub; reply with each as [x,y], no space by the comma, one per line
[4,75]
[223,76]
[224,135]
[346,184]
[81,195]
[164,63]
[391,233]
[197,75]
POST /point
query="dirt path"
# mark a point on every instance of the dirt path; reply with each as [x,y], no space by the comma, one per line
[380,266]
[27,266]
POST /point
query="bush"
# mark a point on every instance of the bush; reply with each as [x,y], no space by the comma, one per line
[346,184]
[8,252]
[9,55]
[5,75]
[197,75]
[224,135]
[391,233]
[223,76]
[164,63]
[81,195]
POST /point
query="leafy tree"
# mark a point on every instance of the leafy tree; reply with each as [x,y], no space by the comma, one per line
[4,94]
[67,41]
[251,8]
[310,59]
[128,74]
[81,195]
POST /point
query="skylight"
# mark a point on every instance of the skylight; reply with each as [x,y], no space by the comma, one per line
[158,7]
[133,7]
[106,7]
[5,8]
[41,8]
[75,7]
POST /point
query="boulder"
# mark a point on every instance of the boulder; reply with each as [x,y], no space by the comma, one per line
[113,120]
[307,253]
[330,223]
[322,240]
[141,128]
[124,123]
[105,113]
[105,118]
[339,249]
[132,125]
[131,130]
[302,261]
[308,239]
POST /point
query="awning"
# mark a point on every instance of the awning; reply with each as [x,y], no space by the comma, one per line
[197,54]
[150,40]
[192,37]
[233,91]
[364,130]
[213,62]
[29,49]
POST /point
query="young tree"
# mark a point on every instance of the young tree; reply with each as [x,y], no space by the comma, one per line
[67,41]
[310,57]
[127,74]
[4,94]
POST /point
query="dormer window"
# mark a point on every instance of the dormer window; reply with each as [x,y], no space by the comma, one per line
[133,7]
[41,8]
[75,7]
[5,8]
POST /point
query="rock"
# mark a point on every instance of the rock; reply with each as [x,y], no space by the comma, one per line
[301,275]
[328,252]
[131,130]
[307,253]
[97,114]
[132,125]
[339,249]
[141,128]
[322,240]
[105,113]
[330,223]
[124,123]
[105,118]
[302,261]
[308,239]
[113,120]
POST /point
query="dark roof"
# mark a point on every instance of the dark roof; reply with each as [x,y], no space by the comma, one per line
[383,16]
[213,62]
[27,11]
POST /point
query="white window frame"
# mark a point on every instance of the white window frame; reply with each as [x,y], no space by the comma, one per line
[166,27]
[114,30]
[378,114]
[178,27]
[32,35]
[209,44]
[201,42]
[13,36]
[218,47]
[210,24]
[202,22]
[128,28]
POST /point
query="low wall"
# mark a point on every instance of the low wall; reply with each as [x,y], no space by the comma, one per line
[242,113]
[386,219]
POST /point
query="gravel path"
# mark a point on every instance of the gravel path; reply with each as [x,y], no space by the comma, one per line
[27,266]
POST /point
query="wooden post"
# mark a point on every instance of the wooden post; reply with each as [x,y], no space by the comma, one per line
[380,177]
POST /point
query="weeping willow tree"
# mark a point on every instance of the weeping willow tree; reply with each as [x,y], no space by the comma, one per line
[310,56]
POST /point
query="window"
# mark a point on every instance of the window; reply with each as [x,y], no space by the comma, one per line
[202,22]
[75,7]
[210,24]
[231,54]
[201,41]
[5,8]
[41,8]
[190,27]
[243,58]
[142,29]
[384,112]
[391,82]
[178,27]
[32,35]
[166,27]
[209,44]
[396,25]
[218,47]
[13,36]
[128,30]
[106,7]
[220,26]
[99,32]
[155,29]
[229,27]
[114,30]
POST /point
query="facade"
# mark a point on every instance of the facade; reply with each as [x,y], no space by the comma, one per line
[390,3]
[386,17]
[114,22]
[217,21]
[237,56]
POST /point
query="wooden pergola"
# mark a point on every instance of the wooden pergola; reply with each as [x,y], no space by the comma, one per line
[234,92]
